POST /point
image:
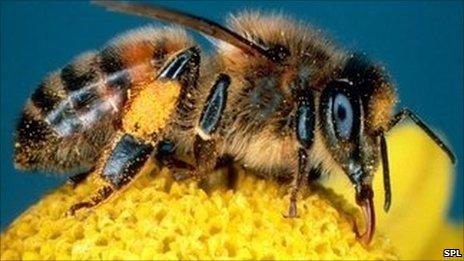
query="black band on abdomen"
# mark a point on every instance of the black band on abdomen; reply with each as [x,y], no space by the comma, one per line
[45,100]
[113,67]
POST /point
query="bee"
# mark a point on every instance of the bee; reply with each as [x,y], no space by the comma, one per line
[276,96]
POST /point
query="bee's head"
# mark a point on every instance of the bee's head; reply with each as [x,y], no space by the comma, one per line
[355,108]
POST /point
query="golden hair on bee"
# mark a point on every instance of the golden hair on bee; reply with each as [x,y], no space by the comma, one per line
[276,97]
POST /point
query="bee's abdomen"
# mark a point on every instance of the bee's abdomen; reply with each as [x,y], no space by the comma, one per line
[94,86]
[76,110]
[70,116]
[38,146]
[67,120]
[81,94]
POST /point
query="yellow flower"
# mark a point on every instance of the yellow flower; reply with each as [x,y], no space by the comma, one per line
[156,218]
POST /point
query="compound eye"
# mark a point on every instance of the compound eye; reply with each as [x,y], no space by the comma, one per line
[342,113]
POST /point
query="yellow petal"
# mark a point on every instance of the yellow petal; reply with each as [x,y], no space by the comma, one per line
[447,236]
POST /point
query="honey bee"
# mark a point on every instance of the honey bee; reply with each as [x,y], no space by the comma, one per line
[277,97]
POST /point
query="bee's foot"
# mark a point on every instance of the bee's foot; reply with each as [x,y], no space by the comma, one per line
[292,211]
[72,210]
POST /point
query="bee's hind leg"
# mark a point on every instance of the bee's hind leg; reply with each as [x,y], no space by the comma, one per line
[102,194]
[118,166]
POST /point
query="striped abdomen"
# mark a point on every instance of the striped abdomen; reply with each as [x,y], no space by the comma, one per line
[75,111]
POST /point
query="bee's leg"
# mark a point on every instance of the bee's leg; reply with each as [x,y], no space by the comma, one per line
[174,163]
[206,156]
[103,193]
[205,161]
[204,147]
[298,181]
[165,154]
[305,125]
[76,179]
[124,161]
[183,170]
[232,175]
[231,178]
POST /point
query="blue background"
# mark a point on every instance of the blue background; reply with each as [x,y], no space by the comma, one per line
[421,43]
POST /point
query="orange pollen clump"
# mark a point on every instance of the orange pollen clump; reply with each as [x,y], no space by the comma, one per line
[149,111]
